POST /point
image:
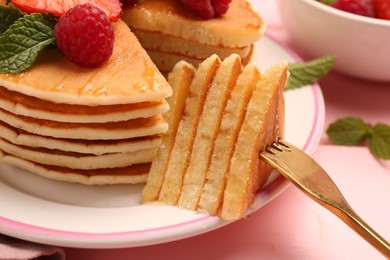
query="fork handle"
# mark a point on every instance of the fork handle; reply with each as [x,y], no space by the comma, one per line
[352,219]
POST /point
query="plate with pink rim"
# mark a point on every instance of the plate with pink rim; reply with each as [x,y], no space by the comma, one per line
[75,215]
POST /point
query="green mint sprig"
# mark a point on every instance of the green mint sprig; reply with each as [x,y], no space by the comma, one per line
[353,131]
[306,73]
[21,43]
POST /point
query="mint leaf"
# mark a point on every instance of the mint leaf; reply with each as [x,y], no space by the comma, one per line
[8,15]
[305,73]
[23,40]
[380,141]
[353,131]
[348,131]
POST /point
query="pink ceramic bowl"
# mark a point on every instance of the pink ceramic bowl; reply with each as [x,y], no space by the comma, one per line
[361,44]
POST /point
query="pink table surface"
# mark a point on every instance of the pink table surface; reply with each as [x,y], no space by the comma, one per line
[293,226]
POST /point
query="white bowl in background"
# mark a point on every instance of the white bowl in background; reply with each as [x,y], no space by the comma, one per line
[361,44]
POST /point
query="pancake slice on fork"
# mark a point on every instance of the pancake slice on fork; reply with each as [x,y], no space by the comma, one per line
[180,79]
[219,91]
[178,162]
[212,195]
[261,126]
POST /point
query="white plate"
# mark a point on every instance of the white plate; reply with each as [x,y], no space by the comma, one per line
[64,214]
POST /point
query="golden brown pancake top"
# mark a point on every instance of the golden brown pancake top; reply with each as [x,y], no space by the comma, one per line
[129,76]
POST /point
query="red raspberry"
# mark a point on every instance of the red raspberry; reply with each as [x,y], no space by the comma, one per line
[85,35]
[382,9]
[221,6]
[207,9]
[360,7]
[201,8]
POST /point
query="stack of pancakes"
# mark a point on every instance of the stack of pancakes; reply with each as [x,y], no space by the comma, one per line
[210,160]
[92,126]
[170,33]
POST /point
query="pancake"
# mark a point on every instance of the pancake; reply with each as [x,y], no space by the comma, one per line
[19,104]
[261,126]
[77,160]
[170,32]
[88,125]
[89,131]
[178,162]
[179,79]
[212,195]
[209,123]
[97,147]
[129,76]
[169,44]
[239,27]
[133,174]
[166,61]
[234,113]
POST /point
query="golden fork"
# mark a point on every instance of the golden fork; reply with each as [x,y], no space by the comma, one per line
[306,174]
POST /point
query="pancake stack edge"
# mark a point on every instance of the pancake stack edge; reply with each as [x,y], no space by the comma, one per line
[91,126]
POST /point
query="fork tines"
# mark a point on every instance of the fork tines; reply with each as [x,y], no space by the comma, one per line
[279,146]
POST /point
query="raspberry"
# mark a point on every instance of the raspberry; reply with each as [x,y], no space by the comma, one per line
[360,7]
[221,6]
[202,8]
[382,9]
[85,35]
[207,9]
